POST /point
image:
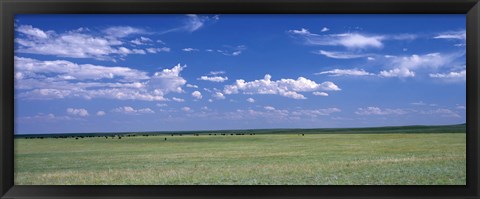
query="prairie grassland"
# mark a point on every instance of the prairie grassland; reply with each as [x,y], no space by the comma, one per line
[262,159]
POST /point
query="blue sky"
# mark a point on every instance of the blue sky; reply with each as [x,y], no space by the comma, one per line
[109,73]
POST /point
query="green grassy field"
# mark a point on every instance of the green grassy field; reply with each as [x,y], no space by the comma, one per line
[410,158]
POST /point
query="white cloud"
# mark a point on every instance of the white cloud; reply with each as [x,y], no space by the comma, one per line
[73,44]
[251,100]
[61,79]
[320,93]
[157,50]
[168,80]
[442,112]
[233,50]
[189,49]
[218,95]
[122,31]
[284,87]
[346,72]
[269,108]
[316,112]
[162,105]
[453,35]
[142,41]
[379,111]
[101,113]
[131,110]
[431,60]
[77,112]
[186,109]
[216,72]
[340,55]
[192,86]
[451,76]
[27,66]
[213,78]
[178,99]
[276,115]
[461,107]
[397,72]
[348,40]
[31,31]
[45,118]
[197,94]
[302,31]
[193,23]
[419,103]
[324,29]
[406,66]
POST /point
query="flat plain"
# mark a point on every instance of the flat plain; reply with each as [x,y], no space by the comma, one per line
[419,155]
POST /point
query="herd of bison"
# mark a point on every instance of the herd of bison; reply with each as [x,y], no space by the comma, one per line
[120,136]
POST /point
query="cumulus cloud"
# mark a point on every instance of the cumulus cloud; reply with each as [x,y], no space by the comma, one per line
[269,108]
[218,95]
[379,111]
[189,49]
[186,109]
[405,66]
[75,44]
[31,31]
[316,112]
[157,50]
[451,76]
[77,112]
[397,72]
[284,87]
[168,80]
[141,41]
[69,70]
[101,113]
[50,117]
[213,78]
[251,100]
[178,99]
[64,79]
[320,93]
[430,60]
[443,112]
[345,72]
[122,31]
[133,111]
[191,86]
[324,29]
[197,94]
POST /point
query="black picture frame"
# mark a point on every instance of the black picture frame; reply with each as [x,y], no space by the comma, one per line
[8,9]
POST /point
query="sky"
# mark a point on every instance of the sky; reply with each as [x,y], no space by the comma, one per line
[124,73]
